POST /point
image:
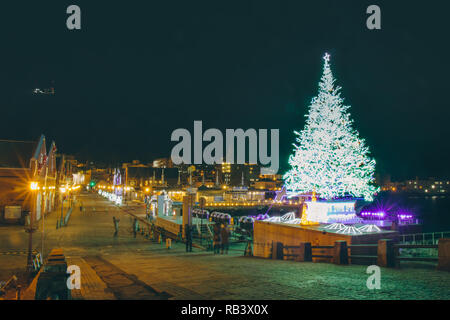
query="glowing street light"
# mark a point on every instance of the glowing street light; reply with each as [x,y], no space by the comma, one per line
[34,186]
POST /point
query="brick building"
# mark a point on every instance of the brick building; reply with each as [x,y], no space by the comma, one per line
[25,165]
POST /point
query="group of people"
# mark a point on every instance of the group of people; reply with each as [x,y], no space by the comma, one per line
[221,236]
[221,239]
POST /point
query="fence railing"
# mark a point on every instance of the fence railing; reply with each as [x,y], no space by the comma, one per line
[385,253]
[424,238]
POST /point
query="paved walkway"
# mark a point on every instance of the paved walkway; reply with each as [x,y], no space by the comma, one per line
[136,268]
[92,287]
[238,277]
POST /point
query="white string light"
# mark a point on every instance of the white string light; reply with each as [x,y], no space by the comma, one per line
[335,226]
[369,228]
[330,157]
[352,230]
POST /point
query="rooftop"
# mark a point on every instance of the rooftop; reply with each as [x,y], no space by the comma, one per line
[16,154]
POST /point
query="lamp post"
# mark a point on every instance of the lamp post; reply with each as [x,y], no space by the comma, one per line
[34,186]
[202,206]
[63,191]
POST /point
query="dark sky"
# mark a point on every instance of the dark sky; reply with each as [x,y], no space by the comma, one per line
[140,69]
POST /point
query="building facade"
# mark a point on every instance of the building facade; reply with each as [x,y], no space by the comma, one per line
[28,180]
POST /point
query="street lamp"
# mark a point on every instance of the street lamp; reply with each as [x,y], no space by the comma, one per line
[63,191]
[34,186]
[202,206]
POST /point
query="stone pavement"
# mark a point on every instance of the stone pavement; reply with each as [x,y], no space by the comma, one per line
[202,275]
[92,287]
[122,285]
[125,267]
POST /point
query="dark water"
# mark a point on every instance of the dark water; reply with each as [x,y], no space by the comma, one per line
[434,212]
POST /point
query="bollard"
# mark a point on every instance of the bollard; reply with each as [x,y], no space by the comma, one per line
[340,252]
[304,252]
[248,250]
[18,291]
[277,251]
[444,254]
[386,253]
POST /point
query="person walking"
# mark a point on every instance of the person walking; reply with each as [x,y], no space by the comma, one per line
[135,227]
[116,226]
[224,234]
[188,235]
[216,239]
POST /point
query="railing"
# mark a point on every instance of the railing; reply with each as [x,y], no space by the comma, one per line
[387,252]
[321,254]
[424,238]
[362,256]
[251,203]
[415,246]
[37,261]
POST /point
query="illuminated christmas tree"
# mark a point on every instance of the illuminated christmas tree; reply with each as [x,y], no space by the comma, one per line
[330,157]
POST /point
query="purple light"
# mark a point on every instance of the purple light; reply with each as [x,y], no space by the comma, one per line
[260,216]
[379,215]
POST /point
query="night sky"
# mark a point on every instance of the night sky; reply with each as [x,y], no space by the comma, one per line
[137,70]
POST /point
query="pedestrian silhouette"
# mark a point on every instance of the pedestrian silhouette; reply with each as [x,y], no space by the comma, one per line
[188,235]
[216,239]
[224,235]
[135,227]
[116,226]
